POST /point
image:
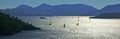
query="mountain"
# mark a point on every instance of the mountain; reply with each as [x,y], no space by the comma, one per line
[107,9]
[20,10]
[45,9]
[111,8]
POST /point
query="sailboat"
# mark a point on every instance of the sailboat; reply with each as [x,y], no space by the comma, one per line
[64,25]
[77,20]
[50,22]
[77,24]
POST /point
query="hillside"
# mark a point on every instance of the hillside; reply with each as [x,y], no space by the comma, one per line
[11,25]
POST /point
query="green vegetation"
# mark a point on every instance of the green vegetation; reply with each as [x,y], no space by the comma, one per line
[10,25]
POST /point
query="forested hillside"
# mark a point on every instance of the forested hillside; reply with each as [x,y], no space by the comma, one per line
[11,25]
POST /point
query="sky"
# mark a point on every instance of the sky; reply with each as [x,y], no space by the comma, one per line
[34,3]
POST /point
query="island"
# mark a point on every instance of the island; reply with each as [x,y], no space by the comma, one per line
[113,15]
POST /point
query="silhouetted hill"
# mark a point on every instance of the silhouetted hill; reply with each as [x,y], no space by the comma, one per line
[45,9]
[11,25]
[108,15]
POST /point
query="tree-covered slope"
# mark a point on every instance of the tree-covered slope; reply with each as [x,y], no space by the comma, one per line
[10,25]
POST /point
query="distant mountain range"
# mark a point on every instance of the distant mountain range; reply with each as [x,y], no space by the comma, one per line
[45,9]
[62,10]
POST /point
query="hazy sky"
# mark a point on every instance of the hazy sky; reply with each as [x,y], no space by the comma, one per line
[34,3]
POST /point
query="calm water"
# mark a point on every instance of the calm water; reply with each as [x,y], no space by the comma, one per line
[69,27]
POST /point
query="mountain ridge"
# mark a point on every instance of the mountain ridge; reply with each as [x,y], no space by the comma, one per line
[62,10]
[45,9]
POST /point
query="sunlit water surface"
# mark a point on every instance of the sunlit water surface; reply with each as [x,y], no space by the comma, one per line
[69,27]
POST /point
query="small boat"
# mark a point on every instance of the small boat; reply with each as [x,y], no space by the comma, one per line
[64,26]
[77,24]
[50,24]
[43,18]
